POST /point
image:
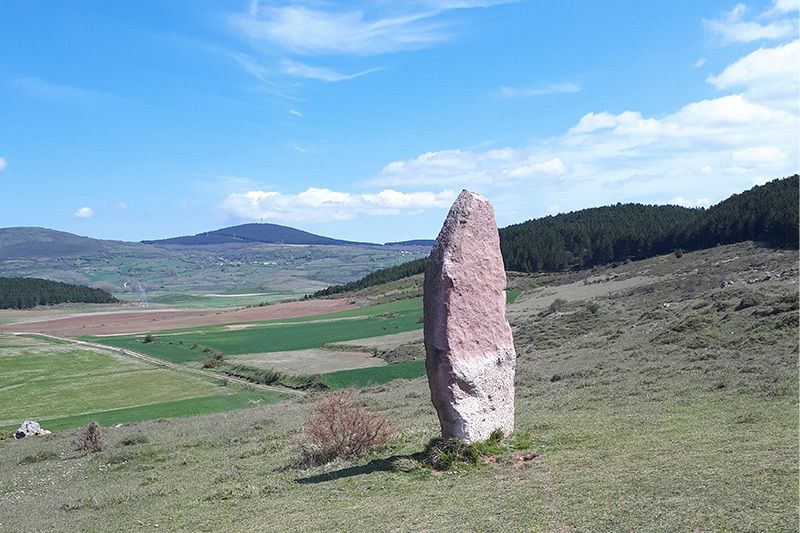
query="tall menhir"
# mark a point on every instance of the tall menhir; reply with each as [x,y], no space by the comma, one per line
[470,349]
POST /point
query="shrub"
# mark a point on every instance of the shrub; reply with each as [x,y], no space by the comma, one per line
[210,363]
[90,439]
[444,454]
[43,455]
[678,253]
[148,338]
[338,429]
[132,440]
[218,355]
[556,306]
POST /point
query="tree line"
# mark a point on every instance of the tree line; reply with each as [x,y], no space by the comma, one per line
[24,293]
[582,239]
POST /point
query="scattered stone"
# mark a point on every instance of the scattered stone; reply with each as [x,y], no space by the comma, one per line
[469,346]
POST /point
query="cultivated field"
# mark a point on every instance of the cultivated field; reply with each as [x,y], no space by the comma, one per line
[136,321]
[63,386]
[659,406]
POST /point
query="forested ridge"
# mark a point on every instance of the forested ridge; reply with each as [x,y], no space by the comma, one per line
[766,213]
[24,293]
[379,277]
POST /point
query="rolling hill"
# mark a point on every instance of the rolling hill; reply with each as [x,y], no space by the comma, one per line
[590,237]
[188,265]
[254,233]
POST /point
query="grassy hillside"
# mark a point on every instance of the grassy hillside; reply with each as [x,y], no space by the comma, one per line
[660,395]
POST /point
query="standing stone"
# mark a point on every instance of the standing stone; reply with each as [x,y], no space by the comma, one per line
[470,350]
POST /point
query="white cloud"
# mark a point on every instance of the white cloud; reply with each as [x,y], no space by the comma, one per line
[683,202]
[768,74]
[707,146]
[295,113]
[766,155]
[524,92]
[700,62]
[300,70]
[318,205]
[733,27]
[84,212]
[3,163]
[781,7]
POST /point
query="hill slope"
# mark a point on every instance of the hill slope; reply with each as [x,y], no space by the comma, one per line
[633,231]
[670,405]
[28,242]
[253,233]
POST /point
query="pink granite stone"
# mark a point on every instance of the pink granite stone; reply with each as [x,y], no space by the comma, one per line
[470,350]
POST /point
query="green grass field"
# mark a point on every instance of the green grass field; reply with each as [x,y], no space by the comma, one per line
[220,401]
[64,386]
[643,417]
[365,377]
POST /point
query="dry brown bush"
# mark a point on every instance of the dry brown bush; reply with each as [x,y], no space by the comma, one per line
[336,428]
[90,439]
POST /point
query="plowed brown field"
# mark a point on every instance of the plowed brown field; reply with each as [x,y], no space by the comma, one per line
[120,322]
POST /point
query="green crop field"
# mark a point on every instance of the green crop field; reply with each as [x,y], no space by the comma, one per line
[365,377]
[277,336]
[58,383]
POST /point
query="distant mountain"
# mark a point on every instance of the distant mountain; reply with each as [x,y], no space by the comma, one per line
[253,233]
[250,259]
[26,242]
[416,242]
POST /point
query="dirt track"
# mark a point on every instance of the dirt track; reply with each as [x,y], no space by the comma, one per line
[158,320]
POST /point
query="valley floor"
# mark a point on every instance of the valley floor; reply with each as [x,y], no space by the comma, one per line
[669,403]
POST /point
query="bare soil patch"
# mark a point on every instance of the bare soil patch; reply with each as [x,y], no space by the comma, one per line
[159,320]
[384,342]
[313,361]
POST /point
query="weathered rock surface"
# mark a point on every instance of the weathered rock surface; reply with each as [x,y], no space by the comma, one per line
[470,350]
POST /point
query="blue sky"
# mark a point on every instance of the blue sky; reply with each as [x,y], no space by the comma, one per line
[141,120]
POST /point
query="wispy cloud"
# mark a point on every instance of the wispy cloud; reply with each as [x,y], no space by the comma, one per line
[319,204]
[323,30]
[295,113]
[51,91]
[84,212]
[538,90]
[3,163]
[311,30]
[733,27]
[301,70]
